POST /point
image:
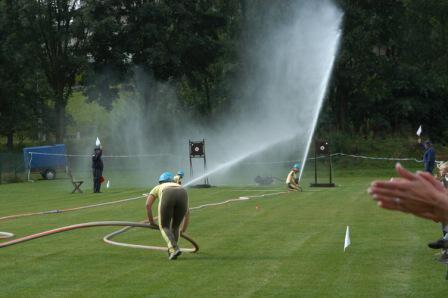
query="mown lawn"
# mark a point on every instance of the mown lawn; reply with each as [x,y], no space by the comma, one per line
[289,244]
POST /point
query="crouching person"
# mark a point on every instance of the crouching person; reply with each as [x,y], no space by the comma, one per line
[292,181]
[178,178]
[172,211]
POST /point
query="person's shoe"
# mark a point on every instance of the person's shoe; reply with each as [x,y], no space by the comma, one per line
[174,254]
[439,244]
[444,256]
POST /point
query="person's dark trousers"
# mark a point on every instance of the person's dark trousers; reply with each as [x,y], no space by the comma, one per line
[429,167]
[172,209]
[97,173]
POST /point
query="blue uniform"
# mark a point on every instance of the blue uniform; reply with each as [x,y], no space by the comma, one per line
[97,167]
[429,159]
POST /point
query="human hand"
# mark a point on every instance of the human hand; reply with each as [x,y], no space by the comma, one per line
[419,194]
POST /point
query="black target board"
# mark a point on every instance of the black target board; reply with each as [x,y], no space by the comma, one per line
[323,153]
[196,149]
[322,147]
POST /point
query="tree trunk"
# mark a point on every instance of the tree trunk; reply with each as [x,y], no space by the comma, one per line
[339,105]
[60,121]
[10,140]
[208,104]
[244,40]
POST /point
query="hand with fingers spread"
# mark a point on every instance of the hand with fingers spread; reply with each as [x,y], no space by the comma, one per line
[420,194]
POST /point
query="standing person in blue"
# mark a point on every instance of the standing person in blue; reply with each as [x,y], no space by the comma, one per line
[442,243]
[429,157]
[97,167]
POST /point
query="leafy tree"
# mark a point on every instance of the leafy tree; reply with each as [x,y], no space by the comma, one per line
[108,49]
[60,36]
[20,95]
[391,73]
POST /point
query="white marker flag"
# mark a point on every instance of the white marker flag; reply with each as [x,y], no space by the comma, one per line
[347,238]
[98,143]
[108,184]
[419,130]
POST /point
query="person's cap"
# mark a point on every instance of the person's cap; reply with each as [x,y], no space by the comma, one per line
[428,142]
[296,166]
[181,173]
[166,177]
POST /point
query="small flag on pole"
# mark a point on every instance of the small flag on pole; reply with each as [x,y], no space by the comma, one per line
[347,238]
[98,143]
[108,184]
[419,130]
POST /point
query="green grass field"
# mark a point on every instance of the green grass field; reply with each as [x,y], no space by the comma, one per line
[291,245]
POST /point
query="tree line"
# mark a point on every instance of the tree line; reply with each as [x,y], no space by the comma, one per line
[390,75]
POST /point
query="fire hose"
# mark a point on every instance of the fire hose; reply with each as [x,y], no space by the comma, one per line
[127,224]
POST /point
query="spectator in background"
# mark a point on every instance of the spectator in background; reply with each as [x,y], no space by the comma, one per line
[97,167]
[442,243]
[429,157]
[443,173]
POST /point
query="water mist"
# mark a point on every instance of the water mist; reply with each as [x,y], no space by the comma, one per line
[274,112]
[291,68]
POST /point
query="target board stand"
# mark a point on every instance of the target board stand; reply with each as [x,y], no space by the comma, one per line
[322,150]
[197,150]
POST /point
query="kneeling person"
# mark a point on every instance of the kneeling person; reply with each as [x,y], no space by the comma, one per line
[292,181]
[178,178]
[173,209]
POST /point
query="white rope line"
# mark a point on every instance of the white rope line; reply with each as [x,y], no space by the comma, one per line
[104,156]
[104,204]
[339,154]
[245,198]
[72,209]
[377,158]
[247,163]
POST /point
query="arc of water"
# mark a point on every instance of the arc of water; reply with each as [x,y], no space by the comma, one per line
[323,91]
